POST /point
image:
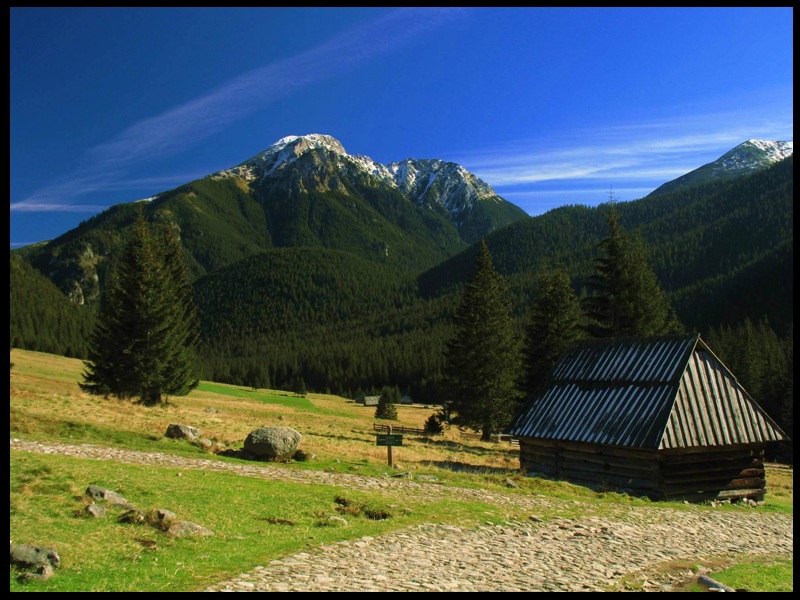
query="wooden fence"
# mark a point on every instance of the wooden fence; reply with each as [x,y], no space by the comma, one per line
[497,437]
[398,429]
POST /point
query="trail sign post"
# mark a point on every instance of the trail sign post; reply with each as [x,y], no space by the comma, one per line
[389,439]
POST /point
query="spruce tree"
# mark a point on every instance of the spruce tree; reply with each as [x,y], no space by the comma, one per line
[145,335]
[624,296]
[387,404]
[180,364]
[482,359]
[554,324]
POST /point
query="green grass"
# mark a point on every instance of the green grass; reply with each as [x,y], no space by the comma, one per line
[756,576]
[768,574]
[48,501]
[289,400]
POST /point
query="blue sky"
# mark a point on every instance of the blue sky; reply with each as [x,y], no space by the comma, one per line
[549,106]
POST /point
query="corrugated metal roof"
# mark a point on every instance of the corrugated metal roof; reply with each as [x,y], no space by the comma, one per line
[651,393]
[712,409]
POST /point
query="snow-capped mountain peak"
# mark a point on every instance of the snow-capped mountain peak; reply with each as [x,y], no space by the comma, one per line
[281,154]
[745,158]
[775,151]
[752,154]
[426,182]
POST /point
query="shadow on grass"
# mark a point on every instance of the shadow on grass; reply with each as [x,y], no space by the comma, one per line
[460,467]
[456,446]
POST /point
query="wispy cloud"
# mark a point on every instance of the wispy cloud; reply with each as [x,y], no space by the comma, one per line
[659,149]
[55,198]
[186,125]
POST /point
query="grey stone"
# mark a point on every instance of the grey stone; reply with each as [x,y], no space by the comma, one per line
[182,432]
[27,556]
[164,517]
[187,528]
[272,442]
[96,492]
[96,510]
[135,516]
[41,573]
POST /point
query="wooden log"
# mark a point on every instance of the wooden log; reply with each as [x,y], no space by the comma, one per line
[612,480]
[628,453]
[691,454]
[756,494]
[704,466]
[606,464]
[724,479]
[537,466]
[708,491]
[706,581]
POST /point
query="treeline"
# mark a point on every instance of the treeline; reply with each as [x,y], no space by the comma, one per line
[762,361]
[705,244]
[322,320]
[42,318]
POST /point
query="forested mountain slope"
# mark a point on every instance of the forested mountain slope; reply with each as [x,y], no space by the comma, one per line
[342,310]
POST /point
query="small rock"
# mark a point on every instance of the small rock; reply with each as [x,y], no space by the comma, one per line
[28,556]
[187,528]
[41,573]
[95,492]
[96,511]
[181,432]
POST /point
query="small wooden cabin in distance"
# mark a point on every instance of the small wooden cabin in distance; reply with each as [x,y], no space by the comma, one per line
[657,417]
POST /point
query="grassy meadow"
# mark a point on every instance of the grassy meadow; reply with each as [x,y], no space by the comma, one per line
[254,520]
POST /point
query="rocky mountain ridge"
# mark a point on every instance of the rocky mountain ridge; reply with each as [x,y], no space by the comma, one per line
[426,182]
[745,158]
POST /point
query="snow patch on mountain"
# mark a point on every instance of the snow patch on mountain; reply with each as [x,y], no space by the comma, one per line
[776,151]
[425,182]
[753,154]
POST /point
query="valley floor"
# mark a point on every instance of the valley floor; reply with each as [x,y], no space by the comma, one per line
[647,548]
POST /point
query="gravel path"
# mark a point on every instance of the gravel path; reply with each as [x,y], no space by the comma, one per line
[590,553]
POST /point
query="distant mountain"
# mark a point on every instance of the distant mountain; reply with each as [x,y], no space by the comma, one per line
[301,192]
[297,165]
[704,242]
[745,158]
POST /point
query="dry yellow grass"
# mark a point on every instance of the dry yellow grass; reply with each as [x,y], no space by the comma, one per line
[45,400]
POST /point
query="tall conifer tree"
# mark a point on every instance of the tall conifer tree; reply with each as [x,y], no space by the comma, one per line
[387,403]
[145,335]
[184,333]
[482,360]
[625,297]
[553,324]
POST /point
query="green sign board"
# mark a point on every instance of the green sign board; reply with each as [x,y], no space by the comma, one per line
[389,439]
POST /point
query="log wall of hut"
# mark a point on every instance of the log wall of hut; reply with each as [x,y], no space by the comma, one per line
[731,473]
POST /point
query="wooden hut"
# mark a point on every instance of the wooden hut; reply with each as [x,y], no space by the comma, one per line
[368,400]
[658,417]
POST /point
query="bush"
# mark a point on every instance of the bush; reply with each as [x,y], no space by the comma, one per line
[433,425]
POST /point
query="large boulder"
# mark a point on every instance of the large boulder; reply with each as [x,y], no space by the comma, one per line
[271,443]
